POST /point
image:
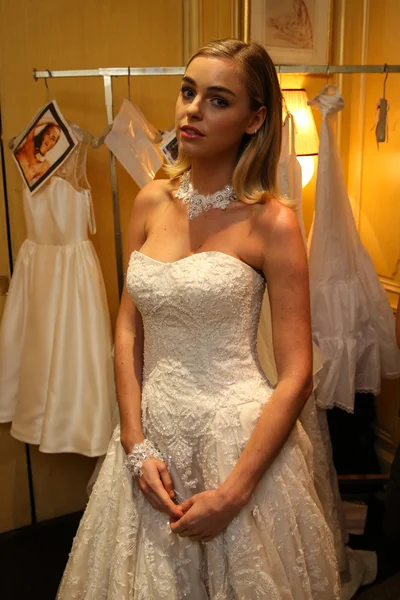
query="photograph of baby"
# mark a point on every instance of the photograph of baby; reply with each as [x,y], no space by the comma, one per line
[43,146]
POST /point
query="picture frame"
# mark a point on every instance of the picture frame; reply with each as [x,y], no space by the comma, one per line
[293,31]
[43,146]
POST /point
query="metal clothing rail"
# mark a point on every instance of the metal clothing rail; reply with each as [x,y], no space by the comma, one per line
[109,73]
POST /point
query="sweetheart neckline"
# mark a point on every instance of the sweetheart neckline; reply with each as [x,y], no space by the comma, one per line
[224,254]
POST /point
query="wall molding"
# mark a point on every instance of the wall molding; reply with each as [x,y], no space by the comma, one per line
[192,23]
[390,285]
[361,113]
[385,444]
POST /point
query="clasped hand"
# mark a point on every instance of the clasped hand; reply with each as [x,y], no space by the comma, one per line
[201,517]
[205,516]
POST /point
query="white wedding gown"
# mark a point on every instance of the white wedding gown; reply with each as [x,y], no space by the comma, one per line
[56,368]
[203,391]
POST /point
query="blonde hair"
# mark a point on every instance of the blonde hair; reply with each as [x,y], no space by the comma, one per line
[256,167]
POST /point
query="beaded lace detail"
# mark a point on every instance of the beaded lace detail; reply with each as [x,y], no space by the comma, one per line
[202,393]
[140,453]
[199,203]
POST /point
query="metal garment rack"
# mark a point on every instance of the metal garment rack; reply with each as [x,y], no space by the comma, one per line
[109,73]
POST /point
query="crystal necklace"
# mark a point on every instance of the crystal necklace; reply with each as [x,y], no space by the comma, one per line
[199,203]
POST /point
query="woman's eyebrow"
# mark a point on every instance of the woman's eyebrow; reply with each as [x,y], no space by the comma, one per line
[212,88]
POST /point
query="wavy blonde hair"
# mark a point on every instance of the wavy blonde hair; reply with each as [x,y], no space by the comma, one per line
[256,167]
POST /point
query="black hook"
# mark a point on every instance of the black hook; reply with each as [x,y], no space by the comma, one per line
[386,76]
[47,88]
[129,84]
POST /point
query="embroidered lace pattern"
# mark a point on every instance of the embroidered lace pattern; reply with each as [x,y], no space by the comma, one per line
[202,394]
[199,203]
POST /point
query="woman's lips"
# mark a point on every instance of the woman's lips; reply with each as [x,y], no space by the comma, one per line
[191,133]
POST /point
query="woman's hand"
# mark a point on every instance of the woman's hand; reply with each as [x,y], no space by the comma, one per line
[156,485]
[206,515]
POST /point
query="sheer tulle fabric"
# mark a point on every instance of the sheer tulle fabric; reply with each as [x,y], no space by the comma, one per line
[203,391]
[352,321]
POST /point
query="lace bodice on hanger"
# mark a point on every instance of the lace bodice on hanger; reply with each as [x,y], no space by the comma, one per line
[61,211]
[73,168]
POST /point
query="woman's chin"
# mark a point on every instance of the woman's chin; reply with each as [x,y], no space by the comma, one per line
[190,150]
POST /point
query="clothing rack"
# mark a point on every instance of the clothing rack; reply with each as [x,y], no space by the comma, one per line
[109,73]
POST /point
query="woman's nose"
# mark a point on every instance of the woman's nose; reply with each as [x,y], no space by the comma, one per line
[194,108]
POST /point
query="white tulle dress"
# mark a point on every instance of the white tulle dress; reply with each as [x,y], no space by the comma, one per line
[56,370]
[202,393]
[352,321]
[356,567]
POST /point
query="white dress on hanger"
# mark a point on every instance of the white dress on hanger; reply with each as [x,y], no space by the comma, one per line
[202,393]
[56,371]
[356,568]
[352,321]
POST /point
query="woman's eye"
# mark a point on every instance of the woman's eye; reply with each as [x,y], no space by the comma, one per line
[187,92]
[220,102]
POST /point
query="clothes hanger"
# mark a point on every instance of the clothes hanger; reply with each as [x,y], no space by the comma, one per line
[86,136]
[99,140]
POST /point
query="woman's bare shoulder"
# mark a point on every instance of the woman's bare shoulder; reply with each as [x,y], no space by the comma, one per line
[273,219]
[154,195]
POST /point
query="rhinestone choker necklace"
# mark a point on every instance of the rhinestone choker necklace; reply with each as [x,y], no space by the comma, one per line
[199,203]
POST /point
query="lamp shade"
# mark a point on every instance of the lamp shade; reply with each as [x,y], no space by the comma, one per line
[306,136]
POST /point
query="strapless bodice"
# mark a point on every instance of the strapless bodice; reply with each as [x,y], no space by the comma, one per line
[200,315]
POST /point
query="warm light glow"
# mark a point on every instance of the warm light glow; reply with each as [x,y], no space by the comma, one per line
[307,169]
[306,136]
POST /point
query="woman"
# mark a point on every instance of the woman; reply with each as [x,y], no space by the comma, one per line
[32,154]
[215,498]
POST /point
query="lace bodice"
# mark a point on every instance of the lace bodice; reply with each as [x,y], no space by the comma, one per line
[200,315]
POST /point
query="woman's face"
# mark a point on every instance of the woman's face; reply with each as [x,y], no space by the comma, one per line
[49,140]
[213,109]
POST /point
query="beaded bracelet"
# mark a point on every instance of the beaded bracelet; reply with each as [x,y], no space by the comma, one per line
[140,453]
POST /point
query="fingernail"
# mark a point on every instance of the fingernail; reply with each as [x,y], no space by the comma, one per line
[172,493]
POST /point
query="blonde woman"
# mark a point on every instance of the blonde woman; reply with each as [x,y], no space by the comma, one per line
[206,491]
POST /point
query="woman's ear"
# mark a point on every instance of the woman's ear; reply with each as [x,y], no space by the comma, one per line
[257,120]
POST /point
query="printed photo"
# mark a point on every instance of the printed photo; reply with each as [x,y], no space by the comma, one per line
[43,146]
[169,146]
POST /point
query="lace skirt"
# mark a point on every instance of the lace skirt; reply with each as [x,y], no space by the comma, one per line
[279,547]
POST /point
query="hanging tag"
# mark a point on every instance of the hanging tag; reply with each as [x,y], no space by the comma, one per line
[381,125]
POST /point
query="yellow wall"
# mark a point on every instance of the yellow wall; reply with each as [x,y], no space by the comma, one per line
[76,35]
[99,33]
[369,35]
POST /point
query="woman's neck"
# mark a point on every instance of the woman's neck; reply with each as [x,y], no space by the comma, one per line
[210,175]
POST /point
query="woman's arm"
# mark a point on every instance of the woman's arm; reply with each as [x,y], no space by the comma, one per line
[128,353]
[156,483]
[286,271]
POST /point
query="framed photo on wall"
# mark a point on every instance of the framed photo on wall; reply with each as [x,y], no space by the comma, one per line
[293,31]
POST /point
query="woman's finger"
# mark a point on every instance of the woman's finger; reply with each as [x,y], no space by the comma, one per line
[163,496]
[166,480]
